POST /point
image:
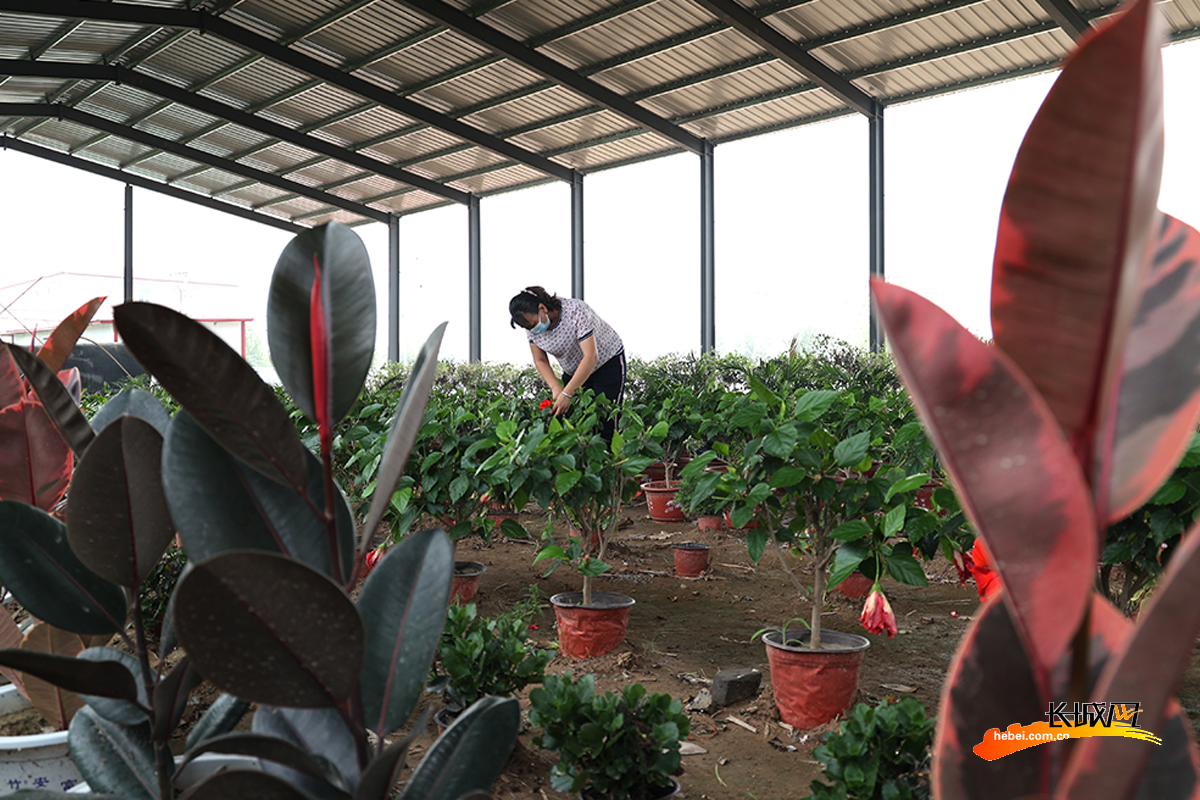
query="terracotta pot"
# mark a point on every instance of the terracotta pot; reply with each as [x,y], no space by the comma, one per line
[660,498]
[691,558]
[574,533]
[812,687]
[586,631]
[466,581]
[707,522]
[748,526]
[657,472]
[857,585]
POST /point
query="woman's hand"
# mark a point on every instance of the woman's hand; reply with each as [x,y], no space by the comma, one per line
[562,401]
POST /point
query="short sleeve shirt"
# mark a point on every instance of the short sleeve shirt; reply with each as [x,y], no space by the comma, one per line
[577,322]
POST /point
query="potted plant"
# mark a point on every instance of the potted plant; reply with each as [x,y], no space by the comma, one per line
[272,553]
[585,479]
[1068,422]
[621,746]
[478,657]
[708,509]
[811,471]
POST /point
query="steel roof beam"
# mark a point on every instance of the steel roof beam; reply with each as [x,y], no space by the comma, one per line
[20,145]
[1067,16]
[736,16]
[547,67]
[205,23]
[190,153]
[119,75]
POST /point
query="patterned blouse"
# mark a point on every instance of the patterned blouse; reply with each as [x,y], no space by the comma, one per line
[577,322]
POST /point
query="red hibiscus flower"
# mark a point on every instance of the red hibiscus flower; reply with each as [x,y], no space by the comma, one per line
[370,560]
[987,582]
[965,566]
[877,616]
[545,404]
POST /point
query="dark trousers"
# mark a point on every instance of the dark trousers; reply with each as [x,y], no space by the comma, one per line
[607,379]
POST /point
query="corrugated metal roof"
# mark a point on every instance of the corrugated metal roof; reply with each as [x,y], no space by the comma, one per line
[314,110]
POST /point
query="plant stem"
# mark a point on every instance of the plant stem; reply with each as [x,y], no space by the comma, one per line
[164,762]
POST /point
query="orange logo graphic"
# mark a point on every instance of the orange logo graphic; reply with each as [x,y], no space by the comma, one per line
[998,744]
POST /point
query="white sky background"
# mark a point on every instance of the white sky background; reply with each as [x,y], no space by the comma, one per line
[791,231]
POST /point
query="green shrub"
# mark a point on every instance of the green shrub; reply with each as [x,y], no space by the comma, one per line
[879,753]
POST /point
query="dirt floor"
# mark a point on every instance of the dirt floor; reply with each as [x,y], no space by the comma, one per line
[683,630]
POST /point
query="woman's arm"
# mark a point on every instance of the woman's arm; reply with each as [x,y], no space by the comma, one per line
[563,399]
[541,362]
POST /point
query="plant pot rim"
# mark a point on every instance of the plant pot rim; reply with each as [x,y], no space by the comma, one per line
[691,546]
[33,741]
[466,569]
[660,486]
[842,642]
[670,790]
[599,600]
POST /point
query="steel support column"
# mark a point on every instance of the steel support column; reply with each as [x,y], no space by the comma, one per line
[128,243]
[708,329]
[577,236]
[393,284]
[875,232]
[473,278]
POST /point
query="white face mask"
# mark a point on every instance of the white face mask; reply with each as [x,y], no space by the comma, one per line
[541,327]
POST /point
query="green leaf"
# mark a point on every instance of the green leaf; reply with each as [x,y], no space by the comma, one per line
[117,521]
[403,606]
[893,521]
[756,541]
[847,559]
[136,403]
[781,441]
[851,531]
[852,450]
[906,485]
[1168,493]
[114,759]
[270,629]
[660,430]
[347,291]
[785,477]
[120,696]
[566,481]
[761,391]
[458,487]
[811,405]
[38,566]
[273,751]
[470,754]
[906,569]
[225,713]
[758,493]
[318,732]
[220,390]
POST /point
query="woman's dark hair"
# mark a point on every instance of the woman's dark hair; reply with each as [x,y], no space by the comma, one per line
[527,303]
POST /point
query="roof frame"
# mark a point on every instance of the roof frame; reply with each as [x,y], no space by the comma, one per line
[120,75]
[217,26]
[1066,15]
[558,73]
[63,111]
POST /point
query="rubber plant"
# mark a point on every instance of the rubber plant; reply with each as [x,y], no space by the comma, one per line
[262,610]
[1068,423]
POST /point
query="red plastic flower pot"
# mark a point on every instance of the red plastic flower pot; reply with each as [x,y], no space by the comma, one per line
[812,687]
[691,559]
[855,586]
[586,631]
[660,498]
[710,522]
[466,581]
[748,526]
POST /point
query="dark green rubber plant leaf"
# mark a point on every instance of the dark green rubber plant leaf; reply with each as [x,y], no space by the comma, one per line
[1019,481]
[470,754]
[384,771]
[321,320]
[58,346]
[316,731]
[57,402]
[136,403]
[219,389]
[270,629]
[48,579]
[403,607]
[1145,669]
[406,425]
[1079,221]
[117,521]
[83,676]
[123,709]
[272,749]
[171,697]
[113,758]
[225,713]
[243,783]
[222,505]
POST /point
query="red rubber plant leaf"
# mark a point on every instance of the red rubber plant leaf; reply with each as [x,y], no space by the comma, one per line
[301,631]
[217,387]
[62,341]
[1160,384]
[321,320]
[118,522]
[1146,668]
[57,705]
[36,468]
[12,388]
[1078,228]
[56,400]
[1019,483]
